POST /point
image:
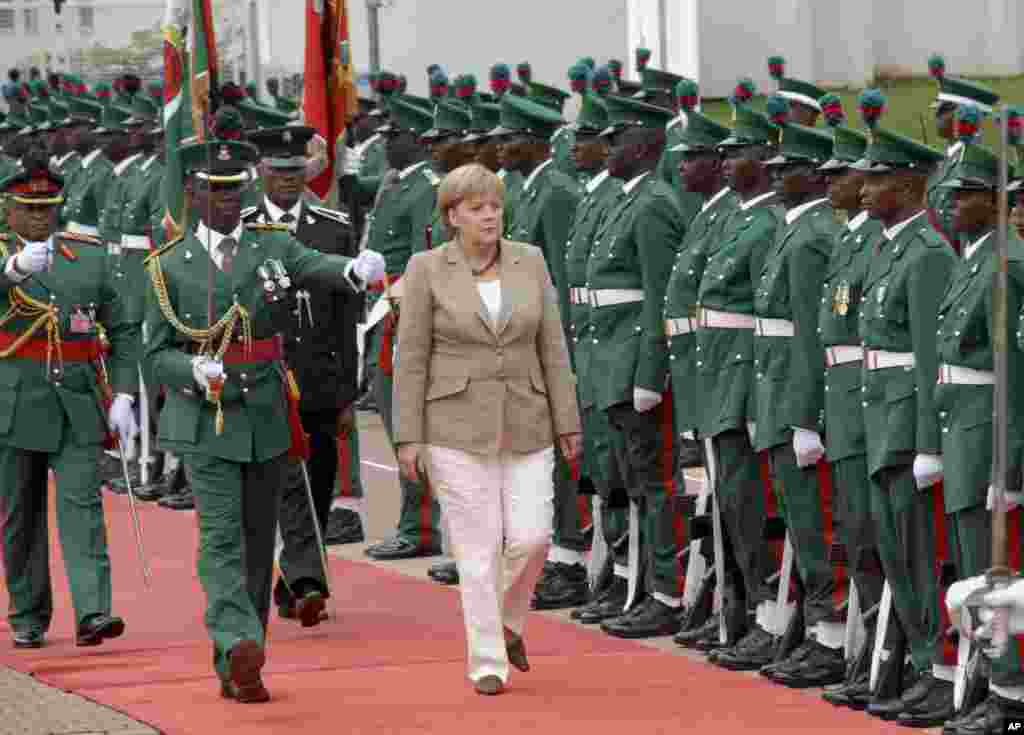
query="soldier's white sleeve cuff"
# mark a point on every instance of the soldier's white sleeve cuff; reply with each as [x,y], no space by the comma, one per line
[127,396]
[353,280]
[13,274]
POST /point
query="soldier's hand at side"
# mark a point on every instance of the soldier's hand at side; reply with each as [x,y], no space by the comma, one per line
[33,258]
[408,461]
[1013,499]
[807,447]
[927,470]
[958,594]
[369,266]
[204,370]
[571,446]
[346,422]
[122,420]
[644,400]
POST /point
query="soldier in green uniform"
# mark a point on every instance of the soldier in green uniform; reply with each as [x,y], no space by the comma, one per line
[910,269]
[561,140]
[804,108]
[447,152]
[397,228]
[953,92]
[369,158]
[790,375]
[228,398]
[52,418]
[702,175]
[84,206]
[601,192]
[845,443]
[725,377]
[627,274]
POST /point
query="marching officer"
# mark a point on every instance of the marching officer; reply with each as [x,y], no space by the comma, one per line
[319,329]
[232,408]
[51,418]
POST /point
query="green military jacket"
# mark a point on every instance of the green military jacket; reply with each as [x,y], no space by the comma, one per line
[33,405]
[122,186]
[85,201]
[255,411]
[562,143]
[790,371]
[839,322]
[681,298]
[905,284]
[398,224]
[599,197]
[966,337]
[513,181]
[940,198]
[373,163]
[725,359]
[544,217]
[634,248]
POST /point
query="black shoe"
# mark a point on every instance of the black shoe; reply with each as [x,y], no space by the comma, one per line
[992,719]
[976,718]
[607,605]
[755,650]
[344,526]
[790,663]
[29,639]
[399,548]
[447,572]
[931,710]
[153,491]
[821,666]
[566,587]
[98,628]
[855,694]
[890,709]
[692,637]
[653,618]
[182,500]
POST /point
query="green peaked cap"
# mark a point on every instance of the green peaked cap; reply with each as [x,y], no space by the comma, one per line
[963,92]
[218,157]
[658,80]
[85,110]
[450,116]
[631,112]
[38,114]
[888,151]
[801,92]
[593,115]
[59,113]
[113,118]
[261,116]
[406,114]
[751,127]
[978,170]
[701,133]
[801,143]
[848,145]
[526,115]
[485,116]
[548,96]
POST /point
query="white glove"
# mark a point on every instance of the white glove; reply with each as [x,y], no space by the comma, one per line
[34,257]
[1012,597]
[958,594]
[927,470]
[204,370]
[644,400]
[353,163]
[316,157]
[807,446]
[1013,500]
[751,430]
[688,435]
[122,420]
[369,266]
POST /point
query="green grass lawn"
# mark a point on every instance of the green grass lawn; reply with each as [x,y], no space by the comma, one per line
[907,109]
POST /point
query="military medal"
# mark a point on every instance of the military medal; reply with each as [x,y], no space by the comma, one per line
[269,287]
[841,299]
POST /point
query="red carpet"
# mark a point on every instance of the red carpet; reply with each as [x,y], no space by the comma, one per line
[392,663]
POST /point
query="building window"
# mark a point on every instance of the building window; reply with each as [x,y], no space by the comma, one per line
[8,19]
[86,18]
[32,21]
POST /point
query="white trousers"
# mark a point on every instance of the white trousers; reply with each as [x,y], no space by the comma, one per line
[500,511]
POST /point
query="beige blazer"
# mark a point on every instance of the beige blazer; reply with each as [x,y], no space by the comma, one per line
[463,383]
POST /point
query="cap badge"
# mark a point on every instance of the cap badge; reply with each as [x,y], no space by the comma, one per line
[287,136]
[225,153]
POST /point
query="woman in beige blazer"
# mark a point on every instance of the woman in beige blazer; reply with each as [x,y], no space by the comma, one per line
[483,389]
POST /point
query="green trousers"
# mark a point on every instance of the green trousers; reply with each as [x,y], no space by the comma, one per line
[852,510]
[568,521]
[597,447]
[83,534]
[419,519]
[741,495]
[905,530]
[237,506]
[350,484]
[805,525]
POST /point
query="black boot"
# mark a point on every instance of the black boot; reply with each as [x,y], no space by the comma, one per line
[652,618]
[755,650]
[565,587]
[605,606]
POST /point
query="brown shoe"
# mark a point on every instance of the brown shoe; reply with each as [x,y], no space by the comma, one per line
[489,685]
[245,661]
[515,649]
[309,610]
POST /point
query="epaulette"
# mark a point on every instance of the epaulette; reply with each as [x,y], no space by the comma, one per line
[80,237]
[331,214]
[248,211]
[267,226]
[163,249]
[432,177]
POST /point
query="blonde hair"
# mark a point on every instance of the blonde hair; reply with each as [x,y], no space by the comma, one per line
[471,180]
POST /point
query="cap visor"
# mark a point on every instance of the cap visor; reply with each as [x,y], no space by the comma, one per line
[871,167]
[834,165]
[1015,185]
[502,130]
[968,184]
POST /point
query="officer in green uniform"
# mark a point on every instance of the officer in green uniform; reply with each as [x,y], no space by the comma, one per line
[59,298]
[789,389]
[909,272]
[804,108]
[601,192]
[397,228]
[845,443]
[953,92]
[627,274]
[228,398]
[84,116]
[702,175]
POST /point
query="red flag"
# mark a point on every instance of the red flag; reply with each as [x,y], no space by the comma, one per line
[329,94]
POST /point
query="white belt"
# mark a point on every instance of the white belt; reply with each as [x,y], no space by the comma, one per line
[712,319]
[842,354]
[965,376]
[615,296]
[579,296]
[135,242]
[881,359]
[676,327]
[773,327]
[80,229]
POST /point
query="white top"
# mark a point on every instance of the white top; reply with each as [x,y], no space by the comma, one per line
[490,294]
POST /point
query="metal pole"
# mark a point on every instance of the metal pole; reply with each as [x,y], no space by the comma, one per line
[373,24]
[255,65]
[663,33]
[1000,337]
